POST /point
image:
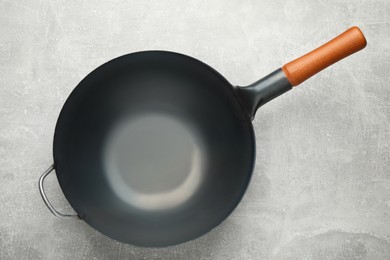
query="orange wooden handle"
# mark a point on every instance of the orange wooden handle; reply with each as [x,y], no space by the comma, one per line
[347,43]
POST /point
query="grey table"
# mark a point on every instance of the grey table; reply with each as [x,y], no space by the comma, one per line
[321,186]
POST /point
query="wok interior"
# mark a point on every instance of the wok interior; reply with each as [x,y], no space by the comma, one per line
[153,149]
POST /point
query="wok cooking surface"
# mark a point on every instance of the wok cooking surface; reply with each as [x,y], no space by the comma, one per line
[153,148]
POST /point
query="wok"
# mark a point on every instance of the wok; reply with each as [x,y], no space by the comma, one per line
[156,148]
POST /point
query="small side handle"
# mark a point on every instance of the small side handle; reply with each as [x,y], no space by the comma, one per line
[46,200]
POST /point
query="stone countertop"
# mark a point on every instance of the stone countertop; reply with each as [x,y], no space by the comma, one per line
[321,186]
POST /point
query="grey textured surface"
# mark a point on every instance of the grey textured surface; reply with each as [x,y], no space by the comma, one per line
[321,187]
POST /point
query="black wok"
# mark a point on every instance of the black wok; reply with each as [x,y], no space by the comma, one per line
[156,148]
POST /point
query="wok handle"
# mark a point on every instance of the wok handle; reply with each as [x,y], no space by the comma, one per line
[347,43]
[299,70]
[46,200]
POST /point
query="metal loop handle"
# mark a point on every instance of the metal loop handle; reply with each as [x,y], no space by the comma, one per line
[45,199]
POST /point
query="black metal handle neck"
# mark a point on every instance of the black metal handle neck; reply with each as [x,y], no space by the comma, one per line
[262,91]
